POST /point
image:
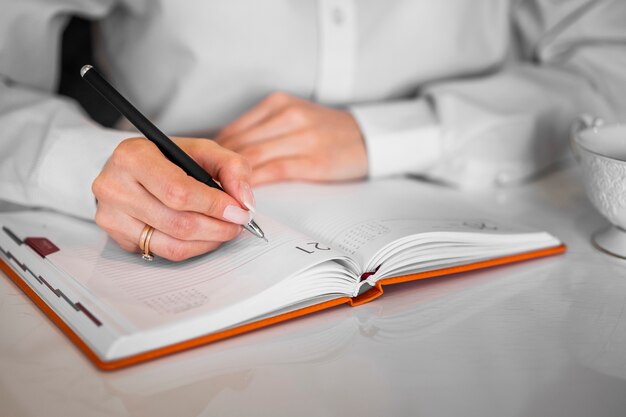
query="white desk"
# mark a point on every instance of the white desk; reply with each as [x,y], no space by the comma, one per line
[542,338]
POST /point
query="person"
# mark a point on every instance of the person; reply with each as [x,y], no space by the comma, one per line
[478,93]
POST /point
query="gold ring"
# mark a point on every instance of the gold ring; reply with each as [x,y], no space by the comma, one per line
[144,242]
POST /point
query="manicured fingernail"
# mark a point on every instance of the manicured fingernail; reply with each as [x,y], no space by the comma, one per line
[247,198]
[236,215]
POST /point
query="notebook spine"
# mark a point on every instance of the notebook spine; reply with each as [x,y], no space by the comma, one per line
[369,295]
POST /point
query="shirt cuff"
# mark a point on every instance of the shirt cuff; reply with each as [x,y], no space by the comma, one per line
[401,137]
[74,160]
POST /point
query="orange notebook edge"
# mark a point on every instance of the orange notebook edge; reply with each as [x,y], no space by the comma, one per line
[377,290]
[166,350]
[202,340]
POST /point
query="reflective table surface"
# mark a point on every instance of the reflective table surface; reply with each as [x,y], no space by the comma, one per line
[541,338]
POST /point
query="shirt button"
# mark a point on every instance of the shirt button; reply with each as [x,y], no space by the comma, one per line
[338,16]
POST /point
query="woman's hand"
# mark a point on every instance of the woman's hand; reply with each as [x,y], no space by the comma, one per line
[288,138]
[139,186]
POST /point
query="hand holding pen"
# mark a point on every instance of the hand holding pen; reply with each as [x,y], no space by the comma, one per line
[168,185]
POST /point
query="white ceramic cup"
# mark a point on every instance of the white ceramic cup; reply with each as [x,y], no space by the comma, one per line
[601,151]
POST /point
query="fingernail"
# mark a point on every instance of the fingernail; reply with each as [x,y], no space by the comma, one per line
[237,215]
[247,198]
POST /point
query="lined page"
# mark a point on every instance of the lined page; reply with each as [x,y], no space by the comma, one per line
[359,218]
[147,294]
[370,221]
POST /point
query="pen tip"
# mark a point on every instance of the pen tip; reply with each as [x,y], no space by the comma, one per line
[265,239]
[84,70]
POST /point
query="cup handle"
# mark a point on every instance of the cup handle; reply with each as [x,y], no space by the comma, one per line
[582,122]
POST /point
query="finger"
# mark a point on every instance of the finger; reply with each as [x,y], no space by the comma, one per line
[127,232]
[229,168]
[178,191]
[299,168]
[175,250]
[184,225]
[261,111]
[286,146]
[284,121]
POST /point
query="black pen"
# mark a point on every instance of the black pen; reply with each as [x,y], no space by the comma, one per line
[151,132]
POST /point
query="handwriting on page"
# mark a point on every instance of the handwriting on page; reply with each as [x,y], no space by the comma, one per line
[352,240]
[311,247]
[480,225]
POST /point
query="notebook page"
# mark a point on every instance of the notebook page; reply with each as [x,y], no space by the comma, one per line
[359,218]
[144,295]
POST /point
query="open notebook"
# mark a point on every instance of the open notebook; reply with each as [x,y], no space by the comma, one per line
[328,245]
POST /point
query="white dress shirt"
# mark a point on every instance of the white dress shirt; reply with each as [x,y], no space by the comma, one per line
[472,92]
